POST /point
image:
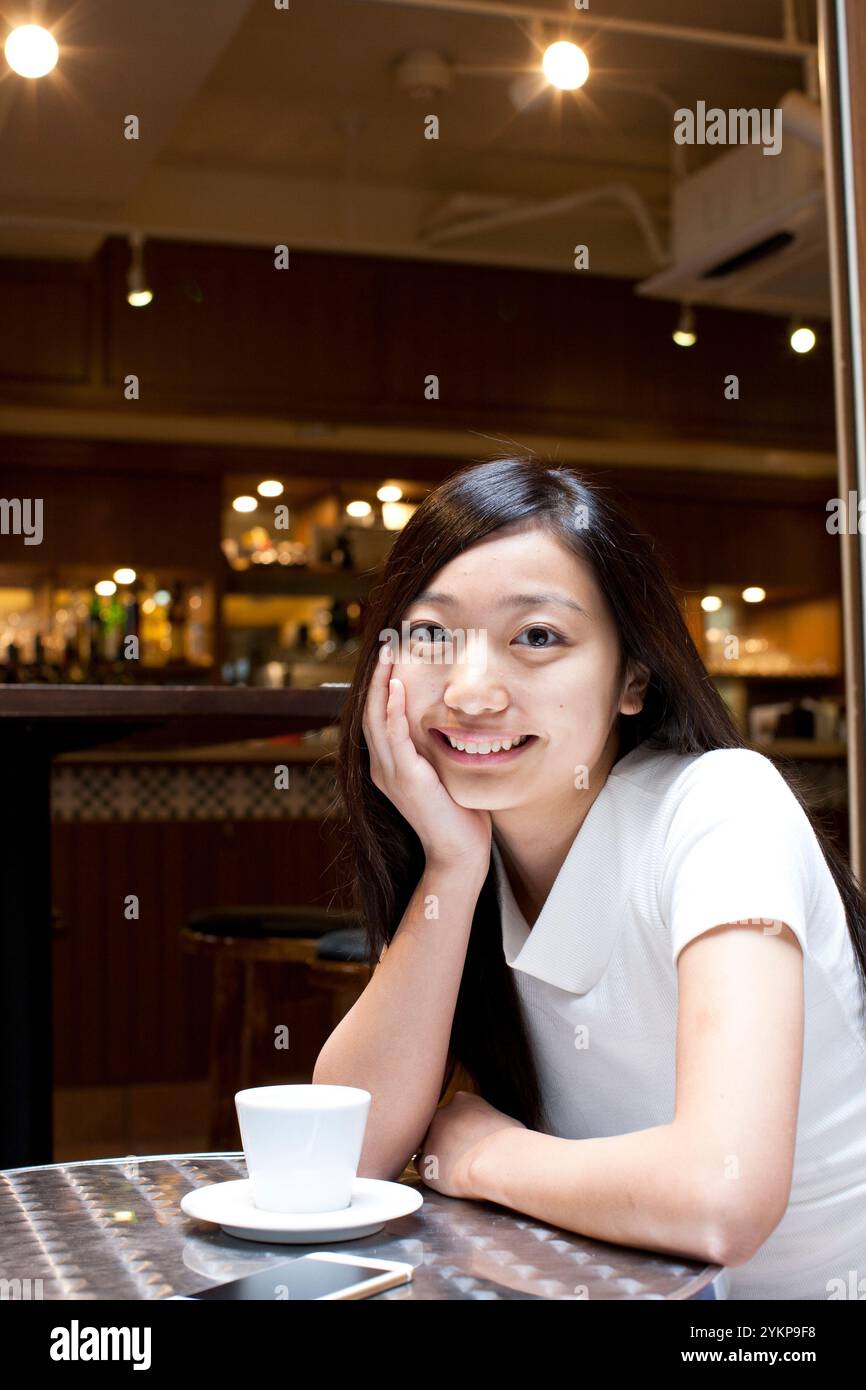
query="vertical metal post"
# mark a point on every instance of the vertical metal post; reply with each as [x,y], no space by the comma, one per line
[845,265]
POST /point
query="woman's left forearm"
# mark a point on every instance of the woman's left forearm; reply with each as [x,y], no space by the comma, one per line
[637,1189]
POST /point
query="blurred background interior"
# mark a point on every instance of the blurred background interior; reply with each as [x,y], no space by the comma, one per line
[579,285]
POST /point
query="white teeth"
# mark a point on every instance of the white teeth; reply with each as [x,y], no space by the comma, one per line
[493,746]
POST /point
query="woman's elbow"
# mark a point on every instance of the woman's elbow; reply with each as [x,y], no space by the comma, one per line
[738,1229]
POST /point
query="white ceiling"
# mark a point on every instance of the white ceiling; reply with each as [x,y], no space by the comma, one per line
[261,125]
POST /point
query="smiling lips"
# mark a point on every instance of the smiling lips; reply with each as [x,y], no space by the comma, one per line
[476,746]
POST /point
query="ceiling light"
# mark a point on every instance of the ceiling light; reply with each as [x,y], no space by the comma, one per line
[389,492]
[105,588]
[754,594]
[124,576]
[684,335]
[270,488]
[565,65]
[396,514]
[802,339]
[244,504]
[137,291]
[359,509]
[711,603]
[31,51]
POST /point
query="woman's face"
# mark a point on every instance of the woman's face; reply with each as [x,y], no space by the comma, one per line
[533,654]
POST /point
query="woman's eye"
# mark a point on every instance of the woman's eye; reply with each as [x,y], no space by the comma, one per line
[536,632]
[428,632]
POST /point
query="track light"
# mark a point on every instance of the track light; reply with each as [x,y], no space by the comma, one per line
[802,339]
[137,292]
[685,334]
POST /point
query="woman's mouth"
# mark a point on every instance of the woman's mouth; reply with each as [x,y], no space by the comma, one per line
[477,750]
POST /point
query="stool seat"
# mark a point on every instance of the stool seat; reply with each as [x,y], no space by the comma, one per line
[344,943]
[252,922]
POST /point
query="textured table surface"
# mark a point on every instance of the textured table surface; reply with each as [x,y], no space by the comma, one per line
[113,1229]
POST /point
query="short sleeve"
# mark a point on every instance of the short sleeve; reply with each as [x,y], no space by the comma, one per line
[738,847]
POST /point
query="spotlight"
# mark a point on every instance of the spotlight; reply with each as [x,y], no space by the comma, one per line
[565,65]
[244,504]
[802,339]
[754,594]
[711,603]
[31,51]
[137,292]
[359,508]
[389,492]
[684,335]
[270,488]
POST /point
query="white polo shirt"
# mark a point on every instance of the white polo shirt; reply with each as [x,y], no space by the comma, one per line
[672,846]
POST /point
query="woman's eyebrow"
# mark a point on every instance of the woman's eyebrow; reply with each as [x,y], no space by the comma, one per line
[515,601]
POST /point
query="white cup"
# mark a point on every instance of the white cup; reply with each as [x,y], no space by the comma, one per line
[302,1144]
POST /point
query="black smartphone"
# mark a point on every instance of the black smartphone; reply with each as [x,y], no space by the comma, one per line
[323,1275]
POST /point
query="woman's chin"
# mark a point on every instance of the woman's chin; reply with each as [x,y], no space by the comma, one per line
[481,799]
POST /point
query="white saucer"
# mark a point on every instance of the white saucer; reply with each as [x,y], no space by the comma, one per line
[230,1205]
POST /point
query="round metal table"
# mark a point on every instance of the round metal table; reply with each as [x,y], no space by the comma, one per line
[113,1229]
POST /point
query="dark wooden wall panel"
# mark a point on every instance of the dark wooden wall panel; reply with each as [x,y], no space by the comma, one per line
[47,310]
[100,516]
[129,1005]
[352,338]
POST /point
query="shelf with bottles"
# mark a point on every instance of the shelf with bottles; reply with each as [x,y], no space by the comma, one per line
[302,641]
[778,634]
[776,658]
[298,534]
[74,624]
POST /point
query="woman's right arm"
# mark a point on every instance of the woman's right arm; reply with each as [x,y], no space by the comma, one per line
[394,1041]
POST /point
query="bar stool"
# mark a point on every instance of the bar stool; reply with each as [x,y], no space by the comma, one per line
[238,940]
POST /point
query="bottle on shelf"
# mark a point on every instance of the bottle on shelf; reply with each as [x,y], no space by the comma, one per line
[113,620]
[177,624]
[95,641]
[12,665]
[42,671]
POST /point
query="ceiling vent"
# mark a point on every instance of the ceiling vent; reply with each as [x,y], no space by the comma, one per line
[749,231]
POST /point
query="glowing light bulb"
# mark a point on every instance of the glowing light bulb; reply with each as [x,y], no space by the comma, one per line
[565,65]
[685,334]
[803,339]
[31,51]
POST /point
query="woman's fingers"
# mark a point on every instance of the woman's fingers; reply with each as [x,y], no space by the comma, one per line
[402,747]
[375,713]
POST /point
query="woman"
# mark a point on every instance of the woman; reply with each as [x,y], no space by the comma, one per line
[580,886]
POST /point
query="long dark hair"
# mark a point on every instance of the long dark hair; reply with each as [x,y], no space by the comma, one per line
[682,711]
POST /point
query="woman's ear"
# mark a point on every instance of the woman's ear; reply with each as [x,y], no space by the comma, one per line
[637,680]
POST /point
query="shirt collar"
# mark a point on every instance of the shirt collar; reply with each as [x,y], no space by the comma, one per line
[576,930]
